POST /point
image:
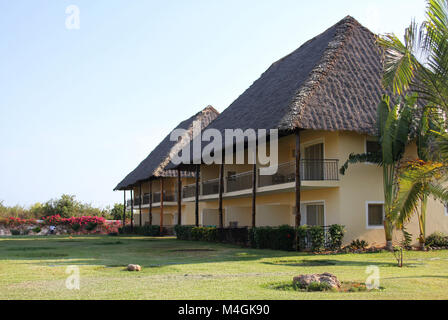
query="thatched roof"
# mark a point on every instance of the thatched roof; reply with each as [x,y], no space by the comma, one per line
[155,163]
[332,82]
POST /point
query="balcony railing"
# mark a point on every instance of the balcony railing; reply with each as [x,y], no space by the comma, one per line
[239,181]
[168,197]
[310,170]
[189,191]
[210,187]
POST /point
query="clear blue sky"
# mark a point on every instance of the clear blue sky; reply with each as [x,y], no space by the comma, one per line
[79,109]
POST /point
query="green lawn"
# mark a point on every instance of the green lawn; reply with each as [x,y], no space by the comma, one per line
[34,268]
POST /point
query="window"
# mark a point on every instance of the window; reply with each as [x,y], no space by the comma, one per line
[372,146]
[315,214]
[375,215]
[446,209]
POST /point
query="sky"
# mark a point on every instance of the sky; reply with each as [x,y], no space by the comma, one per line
[81,108]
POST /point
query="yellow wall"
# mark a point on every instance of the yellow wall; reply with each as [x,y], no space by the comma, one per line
[344,204]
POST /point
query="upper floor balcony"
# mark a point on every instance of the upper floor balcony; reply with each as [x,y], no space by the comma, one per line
[168,196]
[314,173]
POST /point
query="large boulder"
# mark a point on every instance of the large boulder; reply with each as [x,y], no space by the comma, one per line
[304,280]
[134,267]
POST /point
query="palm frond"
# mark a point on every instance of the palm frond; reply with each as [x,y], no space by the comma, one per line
[361,158]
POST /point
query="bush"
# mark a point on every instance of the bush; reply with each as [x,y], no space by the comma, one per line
[318,286]
[15,232]
[302,234]
[437,239]
[37,229]
[238,236]
[183,232]
[91,226]
[358,244]
[317,238]
[336,234]
[147,230]
[204,234]
[76,227]
[277,238]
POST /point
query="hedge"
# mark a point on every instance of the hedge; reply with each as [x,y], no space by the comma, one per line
[276,238]
[147,230]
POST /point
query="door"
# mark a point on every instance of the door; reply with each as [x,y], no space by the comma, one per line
[314,162]
[315,215]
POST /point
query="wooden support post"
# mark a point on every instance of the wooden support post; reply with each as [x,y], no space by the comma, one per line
[150,202]
[161,206]
[124,208]
[221,190]
[179,198]
[132,208]
[140,202]
[196,208]
[254,194]
[298,181]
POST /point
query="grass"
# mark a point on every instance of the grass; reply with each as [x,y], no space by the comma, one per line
[35,268]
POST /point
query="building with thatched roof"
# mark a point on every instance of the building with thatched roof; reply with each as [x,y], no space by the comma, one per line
[322,98]
[153,188]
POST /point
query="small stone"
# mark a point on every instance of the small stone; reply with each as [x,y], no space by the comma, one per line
[134,267]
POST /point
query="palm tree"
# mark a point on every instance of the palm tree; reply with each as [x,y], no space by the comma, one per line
[393,124]
[420,64]
[423,177]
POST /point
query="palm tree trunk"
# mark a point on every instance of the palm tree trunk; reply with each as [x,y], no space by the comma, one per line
[422,222]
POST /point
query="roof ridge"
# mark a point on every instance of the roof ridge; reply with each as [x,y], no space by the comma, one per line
[204,117]
[344,30]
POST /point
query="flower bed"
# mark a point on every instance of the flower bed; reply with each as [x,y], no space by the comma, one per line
[73,225]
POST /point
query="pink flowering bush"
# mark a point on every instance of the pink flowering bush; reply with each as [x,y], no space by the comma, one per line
[76,225]
[15,222]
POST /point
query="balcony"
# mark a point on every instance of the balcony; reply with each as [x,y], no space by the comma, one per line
[210,187]
[167,197]
[310,170]
[239,181]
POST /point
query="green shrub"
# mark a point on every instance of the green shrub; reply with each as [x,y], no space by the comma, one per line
[359,244]
[37,229]
[146,230]
[76,227]
[302,233]
[15,232]
[183,232]
[277,238]
[336,235]
[251,234]
[317,238]
[318,286]
[437,239]
[263,237]
[91,226]
[204,234]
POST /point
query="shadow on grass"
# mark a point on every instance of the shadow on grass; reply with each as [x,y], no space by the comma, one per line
[152,252]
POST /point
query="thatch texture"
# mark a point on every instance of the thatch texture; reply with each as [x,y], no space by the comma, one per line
[332,82]
[156,162]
